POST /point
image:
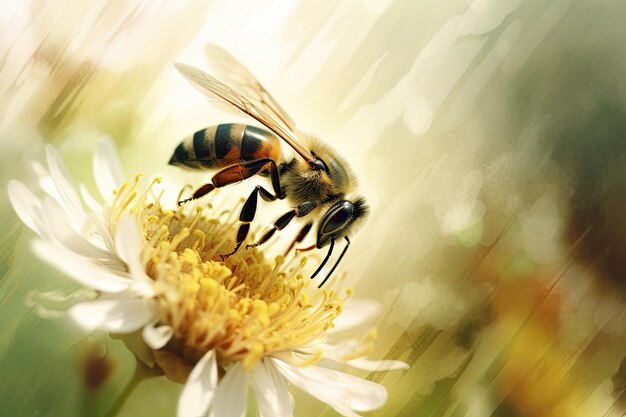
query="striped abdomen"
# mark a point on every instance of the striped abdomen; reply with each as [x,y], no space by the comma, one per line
[225,144]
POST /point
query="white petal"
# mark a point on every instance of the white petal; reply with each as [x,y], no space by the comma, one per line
[92,203]
[70,201]
[355,313]
[341,391]
[103,234]
[200,388]
[45,181]
[143,289]
[339,351]
[121,315]
[271,390]
[82,270]
[157,337]
[107,169]
[231,399]
[26,205]
[61,231]
[377,366]
[128,243]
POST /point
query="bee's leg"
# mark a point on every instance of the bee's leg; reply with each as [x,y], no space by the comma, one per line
[200,192]
[299,237]
[343,252]
[308,248]
[301,210]
[247,214]
[249,207]
[238,172]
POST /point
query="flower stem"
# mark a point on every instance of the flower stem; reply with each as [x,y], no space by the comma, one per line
[141,372]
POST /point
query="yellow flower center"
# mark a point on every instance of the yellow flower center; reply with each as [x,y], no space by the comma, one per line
[243,307]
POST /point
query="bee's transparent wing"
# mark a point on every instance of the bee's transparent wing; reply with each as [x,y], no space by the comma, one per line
[233,73]
[213,88]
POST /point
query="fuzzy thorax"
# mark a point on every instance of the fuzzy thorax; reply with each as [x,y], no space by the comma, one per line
[328,185]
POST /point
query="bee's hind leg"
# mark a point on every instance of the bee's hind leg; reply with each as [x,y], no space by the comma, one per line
[235,173]
[200,192]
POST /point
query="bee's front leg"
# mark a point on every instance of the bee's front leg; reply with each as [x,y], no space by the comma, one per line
[300,237]
[300,210]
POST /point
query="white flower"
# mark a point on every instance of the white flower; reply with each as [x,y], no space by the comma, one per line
[218,326]
[312,369]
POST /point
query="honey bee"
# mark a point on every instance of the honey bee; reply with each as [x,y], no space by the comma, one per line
[315,180]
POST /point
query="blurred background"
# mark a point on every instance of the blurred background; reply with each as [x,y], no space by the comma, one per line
[489,137]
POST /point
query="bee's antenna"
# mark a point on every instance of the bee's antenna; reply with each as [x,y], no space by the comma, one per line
[330,251]
[343,252]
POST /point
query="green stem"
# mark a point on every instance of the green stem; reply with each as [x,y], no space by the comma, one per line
[141,372]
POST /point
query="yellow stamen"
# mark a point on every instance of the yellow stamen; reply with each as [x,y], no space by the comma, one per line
[312,360]
[244,307]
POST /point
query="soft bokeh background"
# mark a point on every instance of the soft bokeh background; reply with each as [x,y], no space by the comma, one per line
[489,137]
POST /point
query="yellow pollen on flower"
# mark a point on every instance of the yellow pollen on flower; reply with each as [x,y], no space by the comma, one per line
[244,307]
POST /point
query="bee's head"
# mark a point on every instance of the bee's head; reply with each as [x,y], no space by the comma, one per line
[339,219]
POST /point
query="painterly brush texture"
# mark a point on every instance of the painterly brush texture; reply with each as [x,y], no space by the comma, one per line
[488,136]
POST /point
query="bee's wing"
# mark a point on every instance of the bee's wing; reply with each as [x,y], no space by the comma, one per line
[211,87]
[233,73]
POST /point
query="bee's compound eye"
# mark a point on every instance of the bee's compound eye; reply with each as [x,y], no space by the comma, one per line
[336,218]
[318,165]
